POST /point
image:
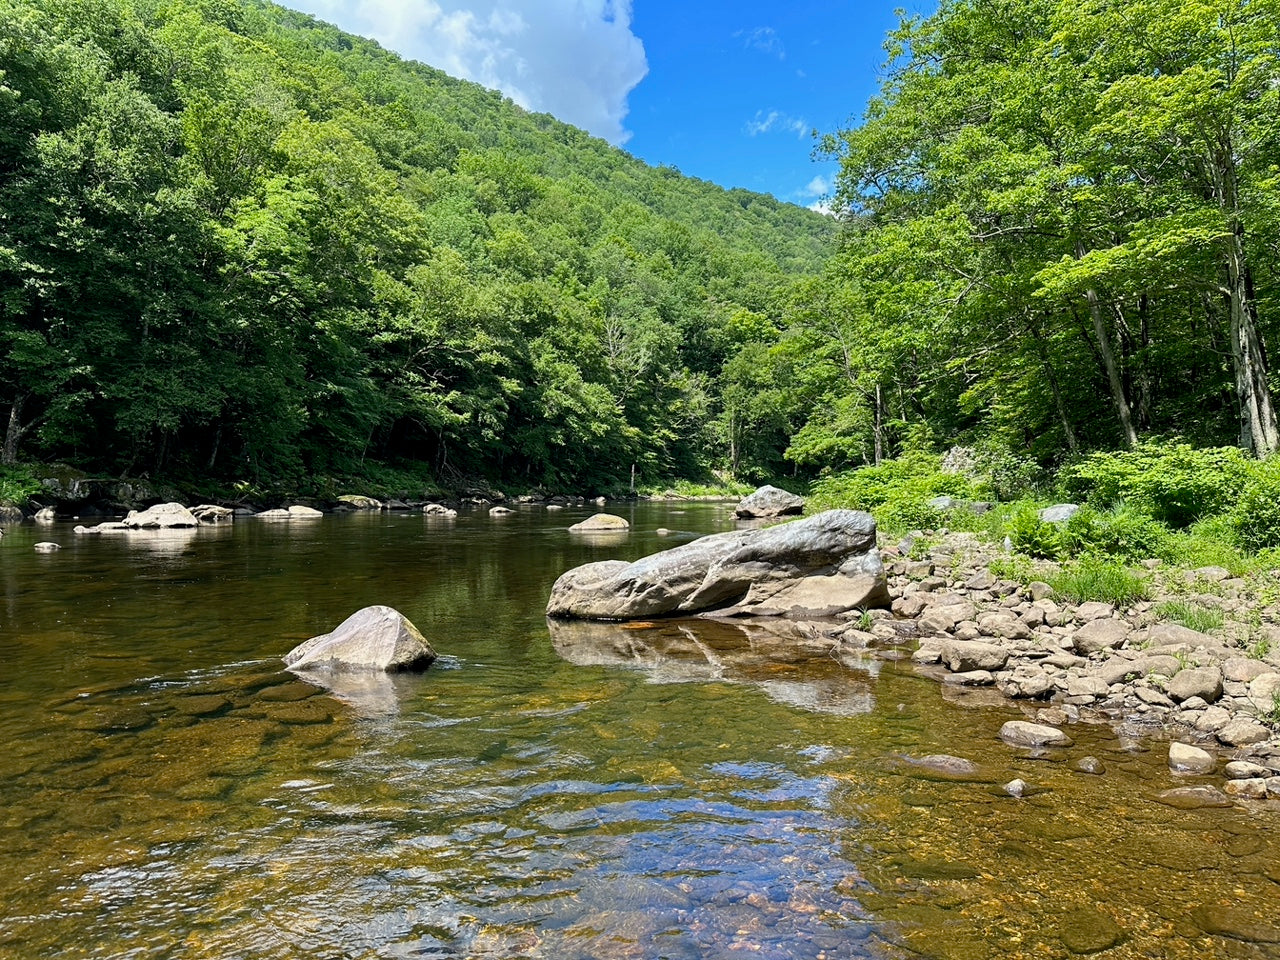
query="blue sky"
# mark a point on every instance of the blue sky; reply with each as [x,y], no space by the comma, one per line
[725,91]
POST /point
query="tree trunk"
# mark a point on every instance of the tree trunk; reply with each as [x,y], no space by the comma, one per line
[879,424]
[16,430]
[1112,369]
[1259,432]
[1059,404]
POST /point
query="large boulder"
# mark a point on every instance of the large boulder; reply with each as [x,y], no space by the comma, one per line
[212,513]
[374,638]
[163,516]
[602,523]
[355,501]
[820,566]
[770,502]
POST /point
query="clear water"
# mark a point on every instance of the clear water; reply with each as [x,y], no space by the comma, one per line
[676,791]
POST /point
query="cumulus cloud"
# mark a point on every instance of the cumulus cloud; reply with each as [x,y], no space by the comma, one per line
[818,192]
[777,122]
[575,59]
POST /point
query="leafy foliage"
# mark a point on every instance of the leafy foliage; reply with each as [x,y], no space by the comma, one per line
[241,246]
[1174,483]
[1256,515]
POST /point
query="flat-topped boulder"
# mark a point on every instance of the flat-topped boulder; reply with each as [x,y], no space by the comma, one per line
[163,516]
[372,638]
[770,502]
[819,566]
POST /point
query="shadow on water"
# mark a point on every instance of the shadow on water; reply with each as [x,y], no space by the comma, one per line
[688,789]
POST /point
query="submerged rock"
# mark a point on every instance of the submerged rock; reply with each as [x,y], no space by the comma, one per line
[770,502]
[1023,733]
[819,566]
[1194,798]
[942,766]
[1088,930]
[373,638]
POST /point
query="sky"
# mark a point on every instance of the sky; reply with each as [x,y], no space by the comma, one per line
[730,91]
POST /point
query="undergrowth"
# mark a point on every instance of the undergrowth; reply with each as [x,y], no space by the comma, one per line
[1096,578]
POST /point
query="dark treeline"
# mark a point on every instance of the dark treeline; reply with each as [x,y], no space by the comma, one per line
[239,245]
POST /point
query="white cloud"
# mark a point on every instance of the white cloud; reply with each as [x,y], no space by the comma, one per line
[774,120]
[817,186]
[818,192]
[763,39]
[575,59]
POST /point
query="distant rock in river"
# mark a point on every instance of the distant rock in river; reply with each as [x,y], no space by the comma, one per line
[770,502]
[601,523]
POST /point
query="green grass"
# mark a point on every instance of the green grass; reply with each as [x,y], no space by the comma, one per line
[1016,567]
[691,488]
[1093,578]
[1272,716]
[1191,615]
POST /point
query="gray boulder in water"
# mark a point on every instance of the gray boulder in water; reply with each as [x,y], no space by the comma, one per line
[163,516]
[374,638]
[817,567]
[770,502]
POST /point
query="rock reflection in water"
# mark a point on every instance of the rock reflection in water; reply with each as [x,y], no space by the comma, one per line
[371,694]
[791,662]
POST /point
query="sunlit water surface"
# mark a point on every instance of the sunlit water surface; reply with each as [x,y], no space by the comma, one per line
[685,791]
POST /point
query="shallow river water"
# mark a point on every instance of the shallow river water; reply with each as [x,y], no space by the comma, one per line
[675,791]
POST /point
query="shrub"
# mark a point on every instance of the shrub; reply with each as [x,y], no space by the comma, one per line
[1030,535]
[1123,533]
[897,492]
[1256,515]
[915,476]
[17,484]
[1175,483]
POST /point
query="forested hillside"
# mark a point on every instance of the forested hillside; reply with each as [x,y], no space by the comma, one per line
[240,246]
[1063,233]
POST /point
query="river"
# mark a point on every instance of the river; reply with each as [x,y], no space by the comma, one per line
[675,791]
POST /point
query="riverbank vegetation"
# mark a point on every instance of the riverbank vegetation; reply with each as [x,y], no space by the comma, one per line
[245,252]
[242,247]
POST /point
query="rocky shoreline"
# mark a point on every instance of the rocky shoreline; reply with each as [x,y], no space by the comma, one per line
[1092,662]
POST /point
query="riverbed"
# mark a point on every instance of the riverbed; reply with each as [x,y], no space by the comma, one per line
[675,790]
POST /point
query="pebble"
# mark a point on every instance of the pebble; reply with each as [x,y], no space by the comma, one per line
[1090,765]
[1016,788]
